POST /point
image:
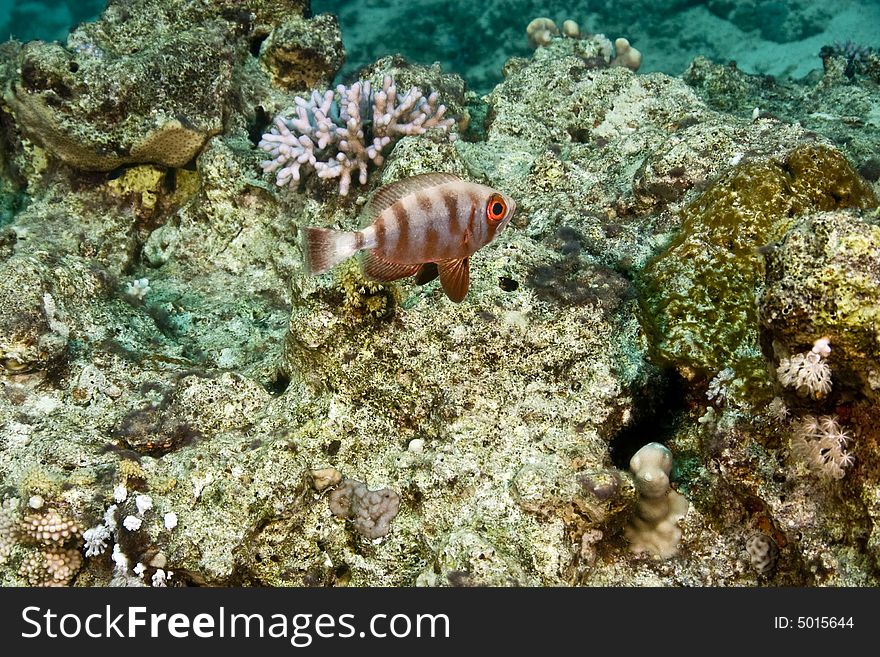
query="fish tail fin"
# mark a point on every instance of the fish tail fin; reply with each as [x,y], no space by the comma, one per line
[324,248]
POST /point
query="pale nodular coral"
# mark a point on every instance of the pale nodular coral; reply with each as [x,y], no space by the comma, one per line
[371,510]
[653,529]
[339,134]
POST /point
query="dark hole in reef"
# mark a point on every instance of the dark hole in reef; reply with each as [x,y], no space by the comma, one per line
[277,386]
[259,125]
[169,181]
[508,284]
[191,165]
[116,173]
[73,67]
[653,421]
[333,446]
[580,135]
[257,43]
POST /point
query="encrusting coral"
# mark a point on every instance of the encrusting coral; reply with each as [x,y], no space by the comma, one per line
[338,135]
[371,510]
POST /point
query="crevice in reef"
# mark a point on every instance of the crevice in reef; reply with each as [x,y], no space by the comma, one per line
[655,413]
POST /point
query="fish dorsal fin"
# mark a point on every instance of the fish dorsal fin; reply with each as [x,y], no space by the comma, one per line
[390,194]
[455,277]
[379,269]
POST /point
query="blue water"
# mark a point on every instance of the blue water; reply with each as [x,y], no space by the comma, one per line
[775,37]
[474,39]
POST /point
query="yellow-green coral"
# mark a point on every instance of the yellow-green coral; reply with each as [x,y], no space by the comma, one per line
[39,481]
[700,292]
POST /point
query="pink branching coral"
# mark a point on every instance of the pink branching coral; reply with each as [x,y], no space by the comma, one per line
[338,134]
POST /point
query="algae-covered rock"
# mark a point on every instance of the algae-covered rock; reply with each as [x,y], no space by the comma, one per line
[97,111]
[148,82]
[303,54]
[700,292]
[843,107]
[33,334]
[823,281]
[466,558]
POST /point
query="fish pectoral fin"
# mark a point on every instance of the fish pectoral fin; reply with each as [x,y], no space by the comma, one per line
[427,273]
[379,269]
[455,277]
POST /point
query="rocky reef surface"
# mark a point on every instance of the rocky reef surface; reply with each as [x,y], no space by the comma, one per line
[182,405]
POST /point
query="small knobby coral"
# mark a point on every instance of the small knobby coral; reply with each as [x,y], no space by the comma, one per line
[339,134]
[820,444]
[371,510]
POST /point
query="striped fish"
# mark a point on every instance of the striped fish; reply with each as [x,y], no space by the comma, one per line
[424,226]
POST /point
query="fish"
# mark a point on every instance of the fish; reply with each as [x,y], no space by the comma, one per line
[424,226]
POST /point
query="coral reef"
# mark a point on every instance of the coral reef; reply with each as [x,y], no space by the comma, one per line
[179,400]
[541,32]
[822,279]
[750,206]
[303,53]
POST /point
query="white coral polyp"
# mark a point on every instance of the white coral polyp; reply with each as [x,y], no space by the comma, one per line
[132,523]
[338,135]
[96,540]
[807,372]
[820,444]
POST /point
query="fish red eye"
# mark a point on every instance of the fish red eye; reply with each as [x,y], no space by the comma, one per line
[496,208]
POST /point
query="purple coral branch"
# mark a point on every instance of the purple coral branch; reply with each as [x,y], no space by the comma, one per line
[337,135]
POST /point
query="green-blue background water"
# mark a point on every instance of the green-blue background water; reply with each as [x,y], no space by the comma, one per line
[774,37]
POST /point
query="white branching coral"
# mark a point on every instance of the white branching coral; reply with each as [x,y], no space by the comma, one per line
[339,134]
[808,372]
[96,539]
[819,443]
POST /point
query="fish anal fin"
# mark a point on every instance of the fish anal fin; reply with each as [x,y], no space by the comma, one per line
[427,273]
[455,278]
[379,269]
[390,194]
